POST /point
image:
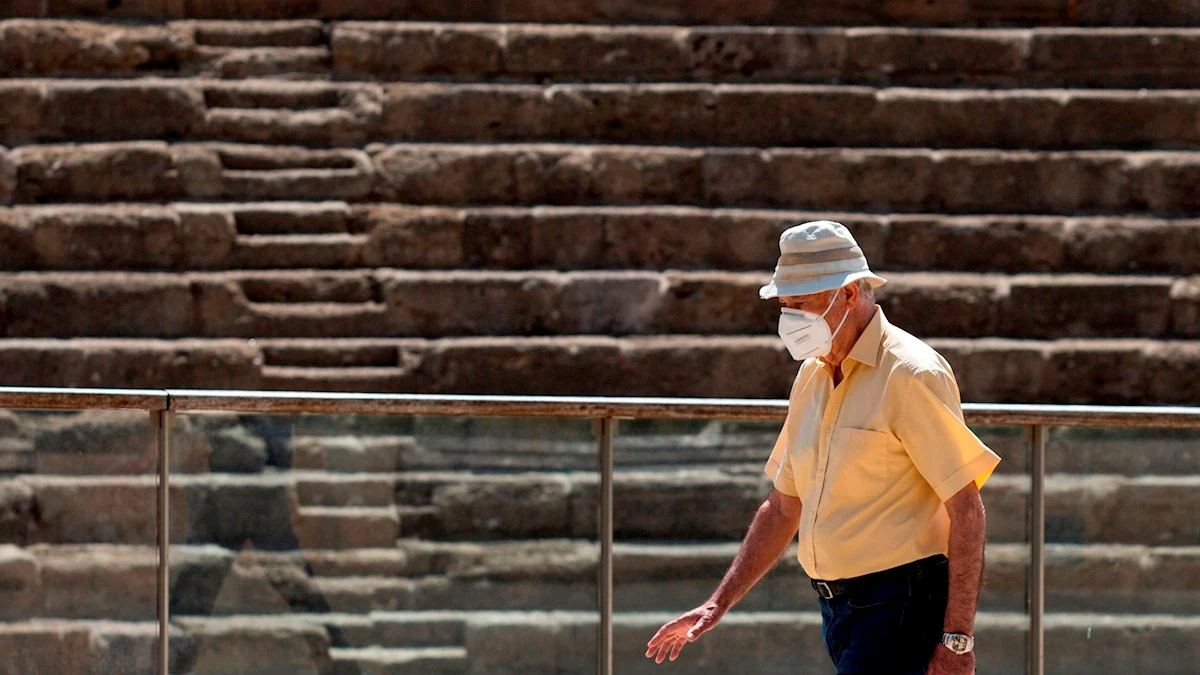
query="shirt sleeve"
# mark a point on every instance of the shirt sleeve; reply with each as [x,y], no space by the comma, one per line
[935,436]
[779,466]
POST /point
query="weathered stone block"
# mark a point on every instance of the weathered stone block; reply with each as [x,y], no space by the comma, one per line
[945,305]
[21,107]
[1124,246]
[1065,307]
[752,54]
[68,508]
[233,511]
[208,237]
[549,51]
[370,49]
[504,508]
[172,363]
[1115,58]
[122,111]
[130,171]
[20,581]
[468,113]
[453,175]
[98,582]
[107,306]
[769,117]
[1017,244]
[71,238]
[281,646]
[715,303]
[8,176]
[42,648]
[45,46]
[16,239]
[347,528]
[884,55]
[412,238]
[199,170]
[608,304]
[493,305]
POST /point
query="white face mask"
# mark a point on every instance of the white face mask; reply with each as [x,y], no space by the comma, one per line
[806,334]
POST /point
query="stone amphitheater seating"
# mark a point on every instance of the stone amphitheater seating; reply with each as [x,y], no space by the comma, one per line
[196,194]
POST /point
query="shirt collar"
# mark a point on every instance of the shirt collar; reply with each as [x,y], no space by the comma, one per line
[866,349]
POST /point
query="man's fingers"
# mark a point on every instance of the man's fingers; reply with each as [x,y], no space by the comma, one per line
[666,632]
[677,648]
[662,652]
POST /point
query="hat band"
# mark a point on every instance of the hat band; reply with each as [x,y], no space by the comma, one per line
[821,256]
[798,272]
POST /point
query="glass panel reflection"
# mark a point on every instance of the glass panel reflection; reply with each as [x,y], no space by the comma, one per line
[341,544]
[1122,524]
[78,549]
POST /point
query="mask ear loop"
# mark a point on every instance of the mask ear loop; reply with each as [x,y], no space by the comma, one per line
[842,322]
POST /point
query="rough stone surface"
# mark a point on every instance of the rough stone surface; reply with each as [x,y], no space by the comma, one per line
[122,306]
[8,176]
[130,171]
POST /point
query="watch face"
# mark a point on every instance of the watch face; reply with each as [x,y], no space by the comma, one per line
[959,644]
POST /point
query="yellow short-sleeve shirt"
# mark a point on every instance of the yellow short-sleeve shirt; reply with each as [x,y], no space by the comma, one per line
[874,459]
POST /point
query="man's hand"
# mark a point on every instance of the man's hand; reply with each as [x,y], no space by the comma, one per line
[946,662]
[671,638]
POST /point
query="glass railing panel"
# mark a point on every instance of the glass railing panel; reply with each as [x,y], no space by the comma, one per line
[78,553]
[358,544]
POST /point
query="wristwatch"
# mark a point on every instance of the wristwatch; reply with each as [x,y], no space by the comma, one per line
[958,643]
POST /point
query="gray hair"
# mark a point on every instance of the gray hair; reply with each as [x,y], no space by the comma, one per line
[867,290]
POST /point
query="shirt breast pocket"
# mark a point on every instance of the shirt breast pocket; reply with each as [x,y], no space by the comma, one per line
[857,463]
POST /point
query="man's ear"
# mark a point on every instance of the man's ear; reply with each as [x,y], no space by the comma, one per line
[853,295]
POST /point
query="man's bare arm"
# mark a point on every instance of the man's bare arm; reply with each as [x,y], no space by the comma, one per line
[968,525]
[773,528]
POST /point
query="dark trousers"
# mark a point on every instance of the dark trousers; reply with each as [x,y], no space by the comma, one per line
[888,623]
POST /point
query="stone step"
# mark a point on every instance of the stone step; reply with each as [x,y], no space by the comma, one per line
[565,642]
[656,114]
[116,582]
[650,505]
[884,56]
[448,174]
[337,235]
[156,171]
[283,63]
[1041,12]
[347,526]
[1081,508]
[392,303]
[259,33]
[400,661]
[1055,57]
[290,218]
[801,115]
[883,180]
[349,490]
[943,181]
[1100,372]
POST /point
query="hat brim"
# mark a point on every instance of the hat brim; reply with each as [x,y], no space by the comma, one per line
[817,284]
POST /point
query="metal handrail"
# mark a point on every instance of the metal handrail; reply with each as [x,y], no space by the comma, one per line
[580,407]
[164,403]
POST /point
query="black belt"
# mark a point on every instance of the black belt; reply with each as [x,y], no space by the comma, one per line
[917,569]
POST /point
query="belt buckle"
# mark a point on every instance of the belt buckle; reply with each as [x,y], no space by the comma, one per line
[823,590]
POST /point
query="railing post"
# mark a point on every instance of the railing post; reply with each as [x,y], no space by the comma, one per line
[608,428]
[1037,549]
[163,420]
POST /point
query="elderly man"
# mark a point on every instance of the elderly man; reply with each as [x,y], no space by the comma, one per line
[874,468]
